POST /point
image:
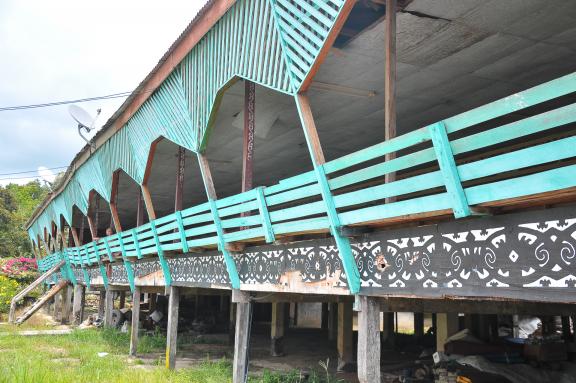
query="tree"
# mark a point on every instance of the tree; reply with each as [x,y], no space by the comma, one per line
[17,203]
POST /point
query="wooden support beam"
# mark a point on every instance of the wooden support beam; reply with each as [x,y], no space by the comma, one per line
[313,141]
[53,292]
[248,137]
[446,326]
[113,200]
[102,304]
[172,332]
[78,304]
[91,224]
[135,321]
[148,202]
[108,307]
[389,333]
[345,337]
[58,301]
[179,193]
[332,321]
[277,329]
[390,73]
[368,340]
[122,303]
[419,325]
[242,335]
[75,237]
[140,209]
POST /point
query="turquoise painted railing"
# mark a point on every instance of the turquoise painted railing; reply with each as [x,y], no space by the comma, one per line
[273,43]
[358,192]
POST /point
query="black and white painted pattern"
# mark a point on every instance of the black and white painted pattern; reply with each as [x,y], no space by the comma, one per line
[525,255]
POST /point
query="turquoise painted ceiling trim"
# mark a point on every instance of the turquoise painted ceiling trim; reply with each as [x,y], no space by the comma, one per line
[273,43]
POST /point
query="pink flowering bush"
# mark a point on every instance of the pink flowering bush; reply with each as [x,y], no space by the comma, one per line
[21,269]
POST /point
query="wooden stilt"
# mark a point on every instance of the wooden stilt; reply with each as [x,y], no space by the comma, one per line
[446,326]
[58,306]
[344,342]
[232,323]
[102,304]
[122,299]
[135,321]
[172,335]
[78,305]
[324,317]
[369,340]
[388,336]
[277,329]
[242,336]
[108,307]
[332,321]
[419,325]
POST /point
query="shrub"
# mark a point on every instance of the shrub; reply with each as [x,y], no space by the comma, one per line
[22,269]
[8,288]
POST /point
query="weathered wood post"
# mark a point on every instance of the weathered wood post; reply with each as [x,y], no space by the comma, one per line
[345,335]
[102,304]
[57,314]
[172,333]
[78,304]
[446,325]
[277,329]
[67,305]
[135,321]
[122,299]
[108,307]
[388,333]
[368,340]
[324,317]
[419,325]
[242,335]
[332,321]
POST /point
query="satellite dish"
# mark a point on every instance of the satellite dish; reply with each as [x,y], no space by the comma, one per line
[84,120]
[82,117]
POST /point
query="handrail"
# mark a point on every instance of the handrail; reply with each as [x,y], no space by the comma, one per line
[358,192]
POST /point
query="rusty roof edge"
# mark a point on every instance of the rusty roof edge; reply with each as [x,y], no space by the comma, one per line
[101,137]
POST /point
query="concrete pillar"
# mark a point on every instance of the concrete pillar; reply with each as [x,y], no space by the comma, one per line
[102,304]
[369,340]
[135,321]
[277,329]
[419,325]
[108,307]
[446,325]
[172,332]
[242,335]
[345,337]
[78,305]
[67,304]
[332,321]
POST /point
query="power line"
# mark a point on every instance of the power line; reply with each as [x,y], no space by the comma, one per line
[32,171]
[56,103]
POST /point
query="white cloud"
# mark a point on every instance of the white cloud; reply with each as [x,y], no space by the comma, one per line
[64,49]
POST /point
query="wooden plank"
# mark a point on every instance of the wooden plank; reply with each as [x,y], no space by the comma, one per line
[56,289]
[277,328]
[390,75]
[172,331]
[148,202]
[113,199]
[368,340]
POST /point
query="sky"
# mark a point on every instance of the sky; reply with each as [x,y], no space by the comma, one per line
[70,49]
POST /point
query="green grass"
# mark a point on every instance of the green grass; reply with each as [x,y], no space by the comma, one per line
[74,358]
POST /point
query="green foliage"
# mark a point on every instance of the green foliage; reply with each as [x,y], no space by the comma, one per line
[17,203]
[8,288]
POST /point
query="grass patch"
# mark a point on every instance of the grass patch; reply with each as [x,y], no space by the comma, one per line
[73,358]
